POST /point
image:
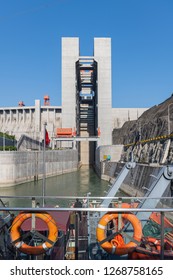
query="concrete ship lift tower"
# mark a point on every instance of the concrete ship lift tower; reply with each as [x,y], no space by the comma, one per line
[87,95]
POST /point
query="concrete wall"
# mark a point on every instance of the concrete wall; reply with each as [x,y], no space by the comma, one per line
[30,120]
[138,180]
[114,151]
[19,167]
[122,115]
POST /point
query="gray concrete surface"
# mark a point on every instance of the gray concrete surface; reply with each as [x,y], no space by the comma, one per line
[19,167]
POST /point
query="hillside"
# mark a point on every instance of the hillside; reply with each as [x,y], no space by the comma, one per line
[152,123]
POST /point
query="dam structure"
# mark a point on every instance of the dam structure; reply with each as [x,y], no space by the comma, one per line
[29,120]
[86,119]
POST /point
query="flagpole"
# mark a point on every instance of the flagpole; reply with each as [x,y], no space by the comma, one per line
[44,181]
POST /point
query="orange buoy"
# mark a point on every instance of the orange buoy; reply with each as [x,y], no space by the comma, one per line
[116,246]
[16,237]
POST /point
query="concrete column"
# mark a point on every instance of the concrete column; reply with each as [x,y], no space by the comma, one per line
[102,55]
[54,121]
[17,116]
[37,116]
[30,115]
[70,54]
[47,116]
[4,116]
[11,116]
[24,115]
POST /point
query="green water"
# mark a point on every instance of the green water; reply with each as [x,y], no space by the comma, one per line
[73,184]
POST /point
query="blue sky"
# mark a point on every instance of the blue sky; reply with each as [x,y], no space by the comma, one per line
[142,47]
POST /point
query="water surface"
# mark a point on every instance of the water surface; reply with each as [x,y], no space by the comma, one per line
[74,184]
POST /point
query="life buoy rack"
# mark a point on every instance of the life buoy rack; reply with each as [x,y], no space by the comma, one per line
[16,237]
[116,246]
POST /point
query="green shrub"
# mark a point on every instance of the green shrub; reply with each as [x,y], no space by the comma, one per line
[8,148]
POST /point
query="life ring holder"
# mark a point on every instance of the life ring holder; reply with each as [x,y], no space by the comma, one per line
[117,248]
[16,238]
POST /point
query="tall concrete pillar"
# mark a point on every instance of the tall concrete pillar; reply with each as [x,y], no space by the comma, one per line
[102,55]
[37,116]
[70,55]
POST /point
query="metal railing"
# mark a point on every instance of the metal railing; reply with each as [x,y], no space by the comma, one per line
[93,208]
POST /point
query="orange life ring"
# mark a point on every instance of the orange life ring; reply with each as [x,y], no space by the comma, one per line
[118,248]
[34,250]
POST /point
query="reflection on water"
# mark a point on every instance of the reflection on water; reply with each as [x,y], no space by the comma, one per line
[73,184]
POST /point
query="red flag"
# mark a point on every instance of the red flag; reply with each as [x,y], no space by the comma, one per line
[47,140]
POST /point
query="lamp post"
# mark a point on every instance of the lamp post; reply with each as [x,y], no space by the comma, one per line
[169,129]
[44,181]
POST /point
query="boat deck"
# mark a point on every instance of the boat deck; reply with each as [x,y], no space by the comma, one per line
[77,246]
[83,243]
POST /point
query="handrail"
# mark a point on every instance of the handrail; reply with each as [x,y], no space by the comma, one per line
[89,209]
[120,210]
[89,197]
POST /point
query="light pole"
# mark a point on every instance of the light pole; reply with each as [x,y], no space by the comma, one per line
[169,129]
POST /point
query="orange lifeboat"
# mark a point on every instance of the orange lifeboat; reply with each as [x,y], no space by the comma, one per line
[16,237]
[117,245]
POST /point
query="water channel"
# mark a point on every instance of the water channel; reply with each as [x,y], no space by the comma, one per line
[76,184]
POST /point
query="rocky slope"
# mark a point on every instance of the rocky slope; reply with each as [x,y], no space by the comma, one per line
[151,124]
